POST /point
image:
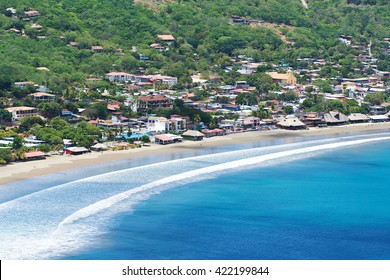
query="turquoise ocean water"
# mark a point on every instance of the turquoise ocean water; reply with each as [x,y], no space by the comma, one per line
[323,198]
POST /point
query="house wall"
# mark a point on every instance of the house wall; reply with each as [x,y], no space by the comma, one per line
[119,77]
[19,114]
[157,125]
[177,124]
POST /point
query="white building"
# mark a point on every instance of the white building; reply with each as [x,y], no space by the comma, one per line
[158,124]
[23,84]
[250,68]
[119,77]
[177,124]
[165,80]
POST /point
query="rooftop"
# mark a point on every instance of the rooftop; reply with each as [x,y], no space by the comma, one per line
[166,37]
[153,98]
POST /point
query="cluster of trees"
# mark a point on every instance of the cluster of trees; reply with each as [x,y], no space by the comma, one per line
[52,132]
[179,108]
[376,98]
[55,130]
[5,116]
[317,103]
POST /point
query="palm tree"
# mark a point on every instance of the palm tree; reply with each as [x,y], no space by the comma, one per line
[197,121]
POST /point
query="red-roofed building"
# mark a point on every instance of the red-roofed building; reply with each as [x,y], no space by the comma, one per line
[167,138]
[34,155]
[163,139]
[117,118]
[213,111]
[93,122]
[114,106]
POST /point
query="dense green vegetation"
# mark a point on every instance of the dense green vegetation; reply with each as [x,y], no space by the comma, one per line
[204,37]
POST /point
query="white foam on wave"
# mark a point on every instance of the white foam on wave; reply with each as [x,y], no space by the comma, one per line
[77,230]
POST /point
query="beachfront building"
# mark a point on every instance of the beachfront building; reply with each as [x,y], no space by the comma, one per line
[213,132]
[21,112]
[178,123]
[167,138]
[377,110]
[313,119]
[358,118]
[163,139]
[379,118]
[193,135]
[157,124]
[251,122]
[34,155]
[75,150]
[99,147]
[161,124]
[335,118]
[290,122]
[230,125]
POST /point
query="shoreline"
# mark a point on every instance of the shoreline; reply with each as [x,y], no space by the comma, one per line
[25,170]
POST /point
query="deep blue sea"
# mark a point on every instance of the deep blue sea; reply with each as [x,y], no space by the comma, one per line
[322,198]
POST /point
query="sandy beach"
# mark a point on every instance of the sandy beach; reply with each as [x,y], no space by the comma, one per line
[24,170]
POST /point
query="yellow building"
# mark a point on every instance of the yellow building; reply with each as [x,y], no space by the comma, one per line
[284,79]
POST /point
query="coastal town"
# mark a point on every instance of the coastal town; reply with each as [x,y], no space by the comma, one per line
[125,110]
[182,134]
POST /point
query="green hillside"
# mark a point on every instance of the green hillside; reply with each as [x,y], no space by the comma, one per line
[204,39]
